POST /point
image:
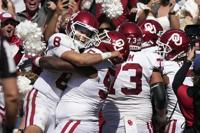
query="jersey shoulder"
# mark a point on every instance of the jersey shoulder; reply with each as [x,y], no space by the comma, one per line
[60,39]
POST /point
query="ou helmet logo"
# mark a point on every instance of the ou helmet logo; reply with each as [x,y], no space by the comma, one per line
[176,38]
[118,44]
[151,28]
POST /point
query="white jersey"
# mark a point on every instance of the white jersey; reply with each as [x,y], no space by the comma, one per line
[50,83]
[83,97]
[130,94]
[170,69]
[41,101]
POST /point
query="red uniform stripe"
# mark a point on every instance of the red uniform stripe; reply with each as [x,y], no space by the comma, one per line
[33,107]
[174,126]
[149,127]
[66,125]
[27,108]
[74,126]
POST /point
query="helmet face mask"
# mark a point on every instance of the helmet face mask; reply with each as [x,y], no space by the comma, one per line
[84,34]
[173,44]
[103,37]
[163,49]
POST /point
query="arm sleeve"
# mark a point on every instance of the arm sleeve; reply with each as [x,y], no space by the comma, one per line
[181,75]
[7,65]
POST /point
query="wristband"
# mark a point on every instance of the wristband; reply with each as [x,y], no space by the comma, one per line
[36,61]
[106,55]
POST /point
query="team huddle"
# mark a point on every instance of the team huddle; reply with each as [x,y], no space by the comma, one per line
[111,82]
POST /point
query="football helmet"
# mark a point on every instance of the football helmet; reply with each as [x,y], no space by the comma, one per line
[151,31]
[133,35]
[173,44]
[85,23]
[115,41]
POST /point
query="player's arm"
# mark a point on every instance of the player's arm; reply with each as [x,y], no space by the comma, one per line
[61,46]
[55,63]
[159,101]
[181,75]
[86,59]
[182,72]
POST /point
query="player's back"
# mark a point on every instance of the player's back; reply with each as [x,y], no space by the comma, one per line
[130,94]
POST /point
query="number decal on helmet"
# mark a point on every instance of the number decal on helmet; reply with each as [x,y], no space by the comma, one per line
[132,40]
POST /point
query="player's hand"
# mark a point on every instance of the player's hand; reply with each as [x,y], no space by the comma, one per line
[116,54]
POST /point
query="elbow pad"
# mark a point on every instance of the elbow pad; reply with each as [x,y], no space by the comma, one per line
[158,95]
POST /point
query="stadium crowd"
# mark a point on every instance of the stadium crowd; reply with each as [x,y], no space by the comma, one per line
[100,66]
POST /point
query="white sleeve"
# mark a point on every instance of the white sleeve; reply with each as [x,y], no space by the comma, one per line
[154,60]
[59,43]
[99,65]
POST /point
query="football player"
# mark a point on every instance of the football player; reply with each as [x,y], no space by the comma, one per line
[173,45]
[83,98]
[137,85]
[41,101]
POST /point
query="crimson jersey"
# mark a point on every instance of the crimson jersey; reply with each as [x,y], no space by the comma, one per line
[188,97]
[186,104]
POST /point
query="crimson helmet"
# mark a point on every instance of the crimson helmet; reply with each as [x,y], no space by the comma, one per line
[173,44]
[115,41]
[133,34]
[151,31]
[84,22]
